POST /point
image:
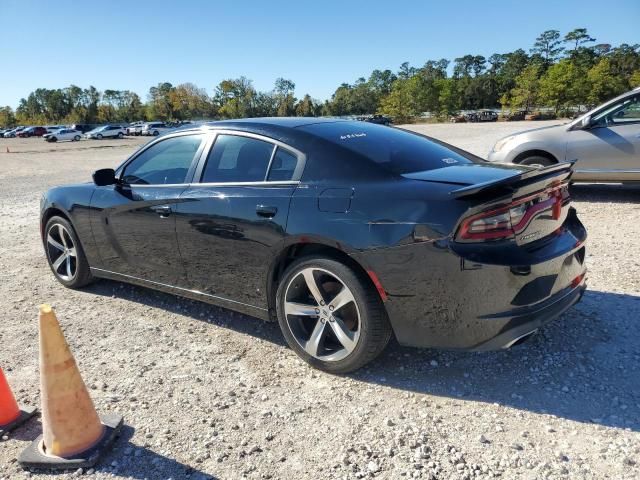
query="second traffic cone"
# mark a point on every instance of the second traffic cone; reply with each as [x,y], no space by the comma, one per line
[73,434]
[11,416]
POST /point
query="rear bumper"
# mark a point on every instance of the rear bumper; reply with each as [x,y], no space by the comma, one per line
[521,323]
[442,295]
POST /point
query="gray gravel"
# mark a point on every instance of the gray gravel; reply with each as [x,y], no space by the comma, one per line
[207,393]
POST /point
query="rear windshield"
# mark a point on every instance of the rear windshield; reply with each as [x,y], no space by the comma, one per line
[396,150]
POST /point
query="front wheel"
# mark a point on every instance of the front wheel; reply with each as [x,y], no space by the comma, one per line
[537,161]
[77,138]
[330,315]
[156,133]
[99,136]
[65,254]
[120,135]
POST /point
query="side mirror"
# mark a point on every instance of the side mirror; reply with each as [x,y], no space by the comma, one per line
[104,176]
[585,122]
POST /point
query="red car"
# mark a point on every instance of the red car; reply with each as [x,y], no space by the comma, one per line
[32,132]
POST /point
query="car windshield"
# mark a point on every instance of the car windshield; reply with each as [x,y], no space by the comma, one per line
[399,151]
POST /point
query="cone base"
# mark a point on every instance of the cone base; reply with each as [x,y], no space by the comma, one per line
[34,457]
[25,414]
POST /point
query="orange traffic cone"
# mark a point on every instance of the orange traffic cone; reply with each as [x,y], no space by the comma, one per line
[11,416]
[74,436]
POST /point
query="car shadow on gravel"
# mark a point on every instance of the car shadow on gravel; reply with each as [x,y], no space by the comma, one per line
[612,193]
[584,366]
[200,311]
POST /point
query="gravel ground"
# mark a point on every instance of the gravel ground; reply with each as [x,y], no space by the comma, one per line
[207,393]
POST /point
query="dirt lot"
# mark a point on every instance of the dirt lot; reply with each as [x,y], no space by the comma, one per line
[207,393]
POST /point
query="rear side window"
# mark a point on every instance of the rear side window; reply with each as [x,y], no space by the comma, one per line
[283,166]
[398,151]
[237,159]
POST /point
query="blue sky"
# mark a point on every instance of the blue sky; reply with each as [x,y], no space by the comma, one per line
[136,44]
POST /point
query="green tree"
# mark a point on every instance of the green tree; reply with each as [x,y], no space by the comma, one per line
[577,37]
[525,93]
[7,117]
[401,103]
[285,100]
[307,107]
[563,85]
[548,46]
[634,80]
[603,84]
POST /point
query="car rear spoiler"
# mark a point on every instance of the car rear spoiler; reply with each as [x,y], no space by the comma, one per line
[562,171]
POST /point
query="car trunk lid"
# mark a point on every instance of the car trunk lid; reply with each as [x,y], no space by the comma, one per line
[517,203]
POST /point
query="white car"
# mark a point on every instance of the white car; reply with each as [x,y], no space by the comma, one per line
[135,129]
[63,134]
[155,128]
[106,131]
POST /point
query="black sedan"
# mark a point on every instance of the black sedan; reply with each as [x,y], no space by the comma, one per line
[344,232]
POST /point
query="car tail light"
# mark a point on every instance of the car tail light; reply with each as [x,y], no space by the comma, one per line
[505,222]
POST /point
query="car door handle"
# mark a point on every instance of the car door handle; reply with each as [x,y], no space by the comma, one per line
[163,210]
[266,211]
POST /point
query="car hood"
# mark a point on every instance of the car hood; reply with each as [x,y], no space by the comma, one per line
[469,174]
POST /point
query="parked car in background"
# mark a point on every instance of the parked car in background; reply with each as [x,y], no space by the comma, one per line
[106,131]
[378,119]
[32,132]
[482,116]
[515,116]
[155,128]
[83,127]
[64,134]
[347,233]
[13,133]
[604,142]
[135,129]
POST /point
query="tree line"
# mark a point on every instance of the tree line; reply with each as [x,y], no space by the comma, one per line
[558,72]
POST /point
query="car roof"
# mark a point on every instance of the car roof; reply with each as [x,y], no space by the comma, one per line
[289,122]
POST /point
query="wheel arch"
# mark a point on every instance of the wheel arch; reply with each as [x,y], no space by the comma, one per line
[297,250]
[534,152]
[53,211]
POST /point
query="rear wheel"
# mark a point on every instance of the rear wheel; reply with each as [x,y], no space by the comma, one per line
[537,160]
[120,135]
[77,138]
[156,133]
[65,254]
[331,316]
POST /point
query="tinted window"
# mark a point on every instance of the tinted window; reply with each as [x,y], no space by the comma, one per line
[237,159]
[165,162]
[396,150]
[283,166]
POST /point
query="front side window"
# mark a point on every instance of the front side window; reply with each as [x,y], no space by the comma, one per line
[166,162]
[627,111]
[237,159]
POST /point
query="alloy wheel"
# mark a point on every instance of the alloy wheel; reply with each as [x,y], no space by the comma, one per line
[62,252]
[322,314]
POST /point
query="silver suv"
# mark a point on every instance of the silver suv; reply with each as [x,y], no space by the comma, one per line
[605,143]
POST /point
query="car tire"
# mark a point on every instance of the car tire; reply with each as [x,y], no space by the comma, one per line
[99,136]
[120,135]
[537,160]
[361,323]
[60,244]
[53,139]
[76,138]
[156,133]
